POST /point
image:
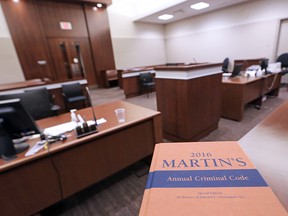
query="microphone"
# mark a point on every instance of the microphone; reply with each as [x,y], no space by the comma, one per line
[90,103]
[86,129]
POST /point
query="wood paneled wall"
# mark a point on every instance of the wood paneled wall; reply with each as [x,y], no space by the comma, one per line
[23,21]
[34,24]
[100,39]
[52,13]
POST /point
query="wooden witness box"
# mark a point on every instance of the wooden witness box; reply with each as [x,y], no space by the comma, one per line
[189,99]
[30,184]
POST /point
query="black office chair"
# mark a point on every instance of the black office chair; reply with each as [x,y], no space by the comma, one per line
[283,58]
[225,65]
[37,102]
[146,83]
[73,96]
[40,103]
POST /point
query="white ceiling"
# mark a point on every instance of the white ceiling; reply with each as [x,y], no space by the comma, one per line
[181,10]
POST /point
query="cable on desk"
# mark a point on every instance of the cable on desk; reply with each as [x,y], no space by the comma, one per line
[56,169]
[273,82]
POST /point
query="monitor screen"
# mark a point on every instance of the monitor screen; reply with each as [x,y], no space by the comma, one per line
[237,69]
[15,122]
[264,64]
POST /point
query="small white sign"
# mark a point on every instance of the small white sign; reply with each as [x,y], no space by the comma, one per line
[66,25]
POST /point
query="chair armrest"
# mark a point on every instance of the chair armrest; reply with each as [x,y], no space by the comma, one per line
[55,107]
[64,95]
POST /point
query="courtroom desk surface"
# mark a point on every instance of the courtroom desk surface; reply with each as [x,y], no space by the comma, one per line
[133,115]
[186,67]
[137,69]
[22,84]
[267,147]
[243,79]
[240,79]
[18,87]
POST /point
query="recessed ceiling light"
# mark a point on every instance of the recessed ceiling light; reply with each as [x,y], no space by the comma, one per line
[99,5]
[95,8]
[16,1]
[199,5]
[165,17]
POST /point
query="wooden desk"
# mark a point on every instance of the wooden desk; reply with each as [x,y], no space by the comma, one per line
[22,84]
[30,184]
[267,147]
[55,88]
[189,99]
[241,90]
[130,80]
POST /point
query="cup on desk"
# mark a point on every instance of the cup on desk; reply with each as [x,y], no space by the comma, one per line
[120,114]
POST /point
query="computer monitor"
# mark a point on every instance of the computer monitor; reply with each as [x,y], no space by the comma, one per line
[15,123]
[264,64]
[236,70]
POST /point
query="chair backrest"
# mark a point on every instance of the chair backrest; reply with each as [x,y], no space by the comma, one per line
[283,58]
[37,102]
[72,90]
[146,77]
[111,75]
[225,65]
[236,70]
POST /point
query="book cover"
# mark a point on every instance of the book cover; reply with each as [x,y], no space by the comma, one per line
[206,178]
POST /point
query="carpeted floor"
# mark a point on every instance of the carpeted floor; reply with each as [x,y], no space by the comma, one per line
[121,194]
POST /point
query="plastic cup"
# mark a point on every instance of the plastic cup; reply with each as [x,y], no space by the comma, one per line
[120,114]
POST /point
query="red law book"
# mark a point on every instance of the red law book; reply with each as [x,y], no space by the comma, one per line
[206,179]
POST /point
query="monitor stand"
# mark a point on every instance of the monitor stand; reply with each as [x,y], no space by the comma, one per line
[8,149]
[18,148]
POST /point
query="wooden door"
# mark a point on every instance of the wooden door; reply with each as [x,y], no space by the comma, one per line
[30,42]
[72,59]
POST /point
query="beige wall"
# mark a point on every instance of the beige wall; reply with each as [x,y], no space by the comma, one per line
[10,69]
[283,38]
[135,44]
[248,30]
